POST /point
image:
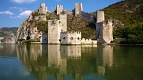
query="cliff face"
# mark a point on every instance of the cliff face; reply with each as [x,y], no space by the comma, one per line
[37,24]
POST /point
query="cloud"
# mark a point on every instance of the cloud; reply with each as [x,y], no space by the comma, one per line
[17,8]
[6,12]
[23,1]
[23,14]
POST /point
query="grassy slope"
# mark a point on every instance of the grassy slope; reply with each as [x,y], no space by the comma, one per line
[129,12]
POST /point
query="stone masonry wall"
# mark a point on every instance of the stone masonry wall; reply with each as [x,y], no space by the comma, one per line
[54,31]
[63,21]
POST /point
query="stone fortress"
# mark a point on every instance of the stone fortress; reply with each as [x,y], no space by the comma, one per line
[57,28]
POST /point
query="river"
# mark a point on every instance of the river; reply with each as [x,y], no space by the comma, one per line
[70,62]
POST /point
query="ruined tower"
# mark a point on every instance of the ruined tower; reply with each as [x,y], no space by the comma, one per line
[104,29]
[106,32]
[54,31]
[59,9]
[63,21]
[78,8]
[42,9]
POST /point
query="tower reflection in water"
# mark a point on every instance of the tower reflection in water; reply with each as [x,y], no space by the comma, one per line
[62,62]
[104,58]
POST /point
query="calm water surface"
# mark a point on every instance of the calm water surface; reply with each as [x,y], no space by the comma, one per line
[55,62]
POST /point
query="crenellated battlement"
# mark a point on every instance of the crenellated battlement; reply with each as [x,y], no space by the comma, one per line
[42,9]
[59,9]
[71,32]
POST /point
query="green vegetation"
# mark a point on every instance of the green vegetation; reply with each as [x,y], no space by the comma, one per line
[130,13]
[133,34]
[30,40]
[43,26]
[77,23]
[51,16]
[36,14]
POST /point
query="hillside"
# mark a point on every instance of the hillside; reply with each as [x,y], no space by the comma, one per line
[128,12]
[8,34]
[127,18]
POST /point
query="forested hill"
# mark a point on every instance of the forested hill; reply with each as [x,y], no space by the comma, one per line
[130,14]
[127,11]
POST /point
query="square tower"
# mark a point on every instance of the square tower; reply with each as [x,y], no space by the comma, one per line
[78,8]
[42,9]
[54,31]
[59,9]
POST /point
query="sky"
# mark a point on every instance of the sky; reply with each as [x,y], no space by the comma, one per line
[14,12]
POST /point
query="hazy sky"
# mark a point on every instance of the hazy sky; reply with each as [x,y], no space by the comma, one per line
[14,12]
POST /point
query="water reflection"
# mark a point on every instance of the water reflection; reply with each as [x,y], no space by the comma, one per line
[55,62]
[60,62]
[104,57]
[7,50]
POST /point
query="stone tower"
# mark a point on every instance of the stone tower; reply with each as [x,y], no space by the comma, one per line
[104,29]
[63,21]
[59,9]
[42,9]
[100,16]
[99,20]
[78,8]
[106,32]
[54,31]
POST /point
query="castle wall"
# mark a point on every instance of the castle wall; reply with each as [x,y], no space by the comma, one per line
[54,31]
[78,8]
[70,12]
[63,21]
[88,41]
[59,9]
[70,38]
